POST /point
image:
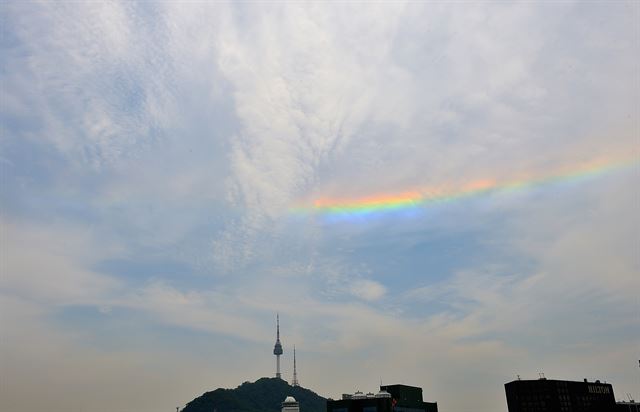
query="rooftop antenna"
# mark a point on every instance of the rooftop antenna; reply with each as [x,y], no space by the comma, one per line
[294,382]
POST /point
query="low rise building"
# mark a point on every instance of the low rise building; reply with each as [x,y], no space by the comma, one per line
[630,406]
[390,398]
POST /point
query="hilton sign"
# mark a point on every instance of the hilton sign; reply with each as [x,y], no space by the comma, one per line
[599,389]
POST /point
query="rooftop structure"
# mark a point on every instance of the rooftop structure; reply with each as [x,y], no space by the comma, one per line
[290,405]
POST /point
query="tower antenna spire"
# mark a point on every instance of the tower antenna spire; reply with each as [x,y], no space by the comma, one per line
[277,349]
[294,382]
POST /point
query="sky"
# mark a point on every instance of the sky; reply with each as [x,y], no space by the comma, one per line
[443,195]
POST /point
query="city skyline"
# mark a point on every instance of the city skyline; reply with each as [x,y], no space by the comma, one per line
[431,194]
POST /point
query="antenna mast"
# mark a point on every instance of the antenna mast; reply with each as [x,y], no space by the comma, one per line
[294,382]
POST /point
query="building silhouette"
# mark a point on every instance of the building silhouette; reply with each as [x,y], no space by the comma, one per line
[548,395]
[630,406]
[390,398]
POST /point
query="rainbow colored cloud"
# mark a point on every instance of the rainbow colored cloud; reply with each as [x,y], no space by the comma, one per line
[410,200]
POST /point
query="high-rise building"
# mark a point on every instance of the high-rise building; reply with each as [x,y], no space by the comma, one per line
[290,405]
[390,398]
[548,395]
[277,349]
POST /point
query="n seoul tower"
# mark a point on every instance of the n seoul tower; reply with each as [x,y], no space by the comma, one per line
[277,349]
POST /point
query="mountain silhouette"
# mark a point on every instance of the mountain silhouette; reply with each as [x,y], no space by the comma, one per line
[263,395]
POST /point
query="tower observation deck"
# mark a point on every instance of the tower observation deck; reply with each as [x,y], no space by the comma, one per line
[277,349]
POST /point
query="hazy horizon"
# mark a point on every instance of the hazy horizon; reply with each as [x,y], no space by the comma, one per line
[444,195]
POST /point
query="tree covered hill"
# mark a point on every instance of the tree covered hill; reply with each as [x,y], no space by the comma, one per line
[263,395]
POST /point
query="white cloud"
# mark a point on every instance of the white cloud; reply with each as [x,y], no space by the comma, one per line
[310,95]
[49,264]
[367,289]
[96,79]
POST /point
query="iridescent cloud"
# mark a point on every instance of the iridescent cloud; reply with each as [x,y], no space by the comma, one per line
[412,200]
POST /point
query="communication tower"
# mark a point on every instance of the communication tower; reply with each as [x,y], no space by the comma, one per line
[277,349]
